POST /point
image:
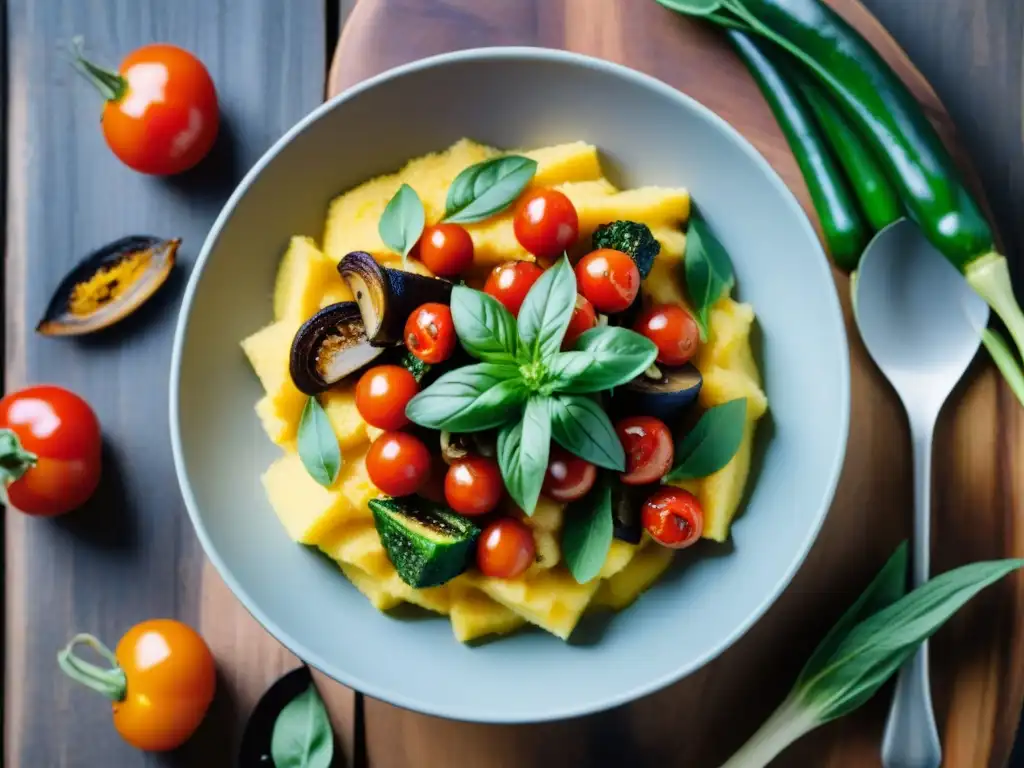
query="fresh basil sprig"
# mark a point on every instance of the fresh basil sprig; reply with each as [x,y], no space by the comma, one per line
[712,442]
[402,222]
[872,640]
[318,445]
[527,387]
[302,736]
[708,272]
[487,188]
[588,531]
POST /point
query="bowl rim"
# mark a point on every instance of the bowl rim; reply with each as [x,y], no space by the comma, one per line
[395,696]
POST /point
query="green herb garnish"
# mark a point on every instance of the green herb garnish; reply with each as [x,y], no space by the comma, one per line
[302,736]
[711,444]
[318,445]
[708,272]
[588,532]
[487,188]
[402,222]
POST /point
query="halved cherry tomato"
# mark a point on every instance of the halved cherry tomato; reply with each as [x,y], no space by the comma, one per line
[398,463]
[510,282]
[50,448]
[505,549]
[430,333]
[673,517]
[546,223]
[649,450]
[161,680]
[382,394]
[609,278]
[473,486]
[673,331]
[583,319]
[568,477]
[161,115]
[446,249]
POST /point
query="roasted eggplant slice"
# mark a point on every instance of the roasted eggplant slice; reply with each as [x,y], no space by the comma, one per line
[329,346]
[386,297]
[626,504]
[664,393]
[108,285]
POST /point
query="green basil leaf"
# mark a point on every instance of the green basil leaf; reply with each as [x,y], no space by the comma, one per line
[613,357]
[708,272]
[469,399]
[692,7]
[711,444]
[580,426]
[587,534]
[545,313]
[318,445]
[487,188]
[302,735]
[486,329]
[523,450]
[402,222]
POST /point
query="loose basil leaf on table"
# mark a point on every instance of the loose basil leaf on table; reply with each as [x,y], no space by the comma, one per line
[712,443]
[318,445]
[302,736]
[469,399]
[402,222]
[587,534]
[486,329]
[523,449]
[545,313]
[487,188]
[708,272]
[580,426]
[614,356]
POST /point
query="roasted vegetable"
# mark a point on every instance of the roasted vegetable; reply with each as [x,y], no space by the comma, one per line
[629,237]
[386,297]
[329,346]
[626,504]
[662,392]
[458,445]
[108,285]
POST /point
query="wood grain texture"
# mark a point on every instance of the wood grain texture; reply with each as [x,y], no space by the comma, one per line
[131,554]
[978,659]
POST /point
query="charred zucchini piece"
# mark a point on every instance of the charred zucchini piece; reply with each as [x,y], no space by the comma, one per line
[108,285]
[328,347]
[632,238]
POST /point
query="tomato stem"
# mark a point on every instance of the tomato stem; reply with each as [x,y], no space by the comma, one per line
[110,84]
[112,682]
[15,461]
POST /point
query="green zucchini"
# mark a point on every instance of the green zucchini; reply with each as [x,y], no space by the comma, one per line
[427,543]
[632,238]
[414,365]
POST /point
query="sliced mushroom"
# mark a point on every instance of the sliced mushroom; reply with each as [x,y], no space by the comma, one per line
[329,346]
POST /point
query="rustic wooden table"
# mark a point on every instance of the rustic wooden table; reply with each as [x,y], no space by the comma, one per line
[132,554]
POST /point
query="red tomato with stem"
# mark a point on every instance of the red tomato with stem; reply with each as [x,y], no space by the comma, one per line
[50,450]
[568,477]
[505,549]
[609,279]
[430,333]
[446,249]
[648,446]
[161,115]
[583,319]
[673,517]
[382,394]
[473,486]
[398,463]
[672,329]
[546,223]
[510,282]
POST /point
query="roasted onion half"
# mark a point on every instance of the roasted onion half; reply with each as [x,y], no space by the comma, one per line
[329,346]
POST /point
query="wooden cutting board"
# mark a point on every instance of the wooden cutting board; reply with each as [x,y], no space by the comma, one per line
[977,660]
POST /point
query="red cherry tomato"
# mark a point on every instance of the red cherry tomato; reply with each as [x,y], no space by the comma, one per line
[673,517]
[609,278]
[161,116]
[382,394]
[430,333]
[473,486]
[673,331]
[510,282]
[649,450]
[505,549]
[568,477]
[50,447]
[398,463]
[583,319]
[446,249]
[546,223]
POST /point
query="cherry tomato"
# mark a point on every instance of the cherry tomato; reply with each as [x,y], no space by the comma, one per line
[568,477]
[649,450]
[430,333]
[546,223]
[446,249]
[673,517]
[382,394]
[609,278]
[50,449]
[432,487]
[161,116]
[505,549]
[473,486]
[161,680]
[583,319]
[510,282]
[398,463]
[673,331]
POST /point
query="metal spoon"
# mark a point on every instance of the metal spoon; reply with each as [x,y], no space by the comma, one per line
[922,324]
